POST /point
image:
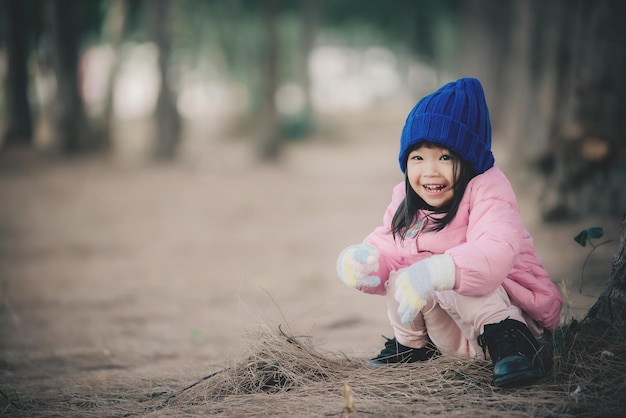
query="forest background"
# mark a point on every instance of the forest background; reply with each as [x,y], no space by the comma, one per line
[174,174]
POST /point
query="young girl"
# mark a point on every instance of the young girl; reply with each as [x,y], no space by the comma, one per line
[458,267]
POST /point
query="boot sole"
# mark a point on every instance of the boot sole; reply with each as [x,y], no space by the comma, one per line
[521,378]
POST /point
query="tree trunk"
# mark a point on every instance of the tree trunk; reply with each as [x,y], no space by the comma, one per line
[486,46]
[270,139]
[19,125]
[68,112]
[611,305]
[550,72]
[584,168]
[114,33]
[309,27]
[167,117]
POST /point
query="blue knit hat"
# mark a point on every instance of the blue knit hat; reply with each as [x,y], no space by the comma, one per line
[455,116]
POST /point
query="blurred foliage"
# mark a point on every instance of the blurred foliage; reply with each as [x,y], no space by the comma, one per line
[559,59]
[406,21]
[234,28]
[231,32]
[296,128]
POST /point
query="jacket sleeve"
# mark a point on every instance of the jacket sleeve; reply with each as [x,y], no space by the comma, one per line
[494,236]
[382,239]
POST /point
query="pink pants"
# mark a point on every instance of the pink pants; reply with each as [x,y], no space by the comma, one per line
[453,321]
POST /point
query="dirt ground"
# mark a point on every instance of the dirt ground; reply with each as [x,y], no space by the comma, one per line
[152,275]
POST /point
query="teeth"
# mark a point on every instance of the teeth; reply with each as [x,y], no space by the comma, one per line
[433,188]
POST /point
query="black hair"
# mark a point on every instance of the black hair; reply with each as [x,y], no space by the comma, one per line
[406,213]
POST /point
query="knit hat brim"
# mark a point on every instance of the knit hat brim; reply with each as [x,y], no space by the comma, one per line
[449,133]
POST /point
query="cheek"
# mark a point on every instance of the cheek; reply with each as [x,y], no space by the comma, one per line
[413,183]
[452,177]
[413,173]
[413,180]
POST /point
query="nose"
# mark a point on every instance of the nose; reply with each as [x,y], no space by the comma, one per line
[430,168]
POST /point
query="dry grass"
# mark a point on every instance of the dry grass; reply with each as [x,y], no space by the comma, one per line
[285,375]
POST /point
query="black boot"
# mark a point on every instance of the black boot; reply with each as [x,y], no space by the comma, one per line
[394,352]
[514,351]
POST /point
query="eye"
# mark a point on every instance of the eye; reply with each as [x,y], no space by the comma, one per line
[446,157]
[415,157]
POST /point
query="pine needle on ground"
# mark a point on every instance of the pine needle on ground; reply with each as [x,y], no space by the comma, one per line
[287,376]
[283,375]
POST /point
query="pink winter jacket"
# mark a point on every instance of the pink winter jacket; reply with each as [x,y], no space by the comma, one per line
[488,243]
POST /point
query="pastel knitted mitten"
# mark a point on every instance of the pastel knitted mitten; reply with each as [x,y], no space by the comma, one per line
[416,284]
[356,266]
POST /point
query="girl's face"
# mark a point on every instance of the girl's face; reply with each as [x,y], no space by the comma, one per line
[430,170]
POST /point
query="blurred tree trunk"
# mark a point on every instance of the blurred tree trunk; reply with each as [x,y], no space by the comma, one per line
[512,78]
[19,123]
[549,65]
[166,117]
[487,46]
[309,27]
[69,121]
[270,138]
[585,164]
[113,32]
[611,305]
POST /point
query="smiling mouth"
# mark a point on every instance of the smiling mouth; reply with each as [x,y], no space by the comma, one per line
[434,188]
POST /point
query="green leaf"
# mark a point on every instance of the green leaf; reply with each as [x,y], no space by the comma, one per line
[589,233]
